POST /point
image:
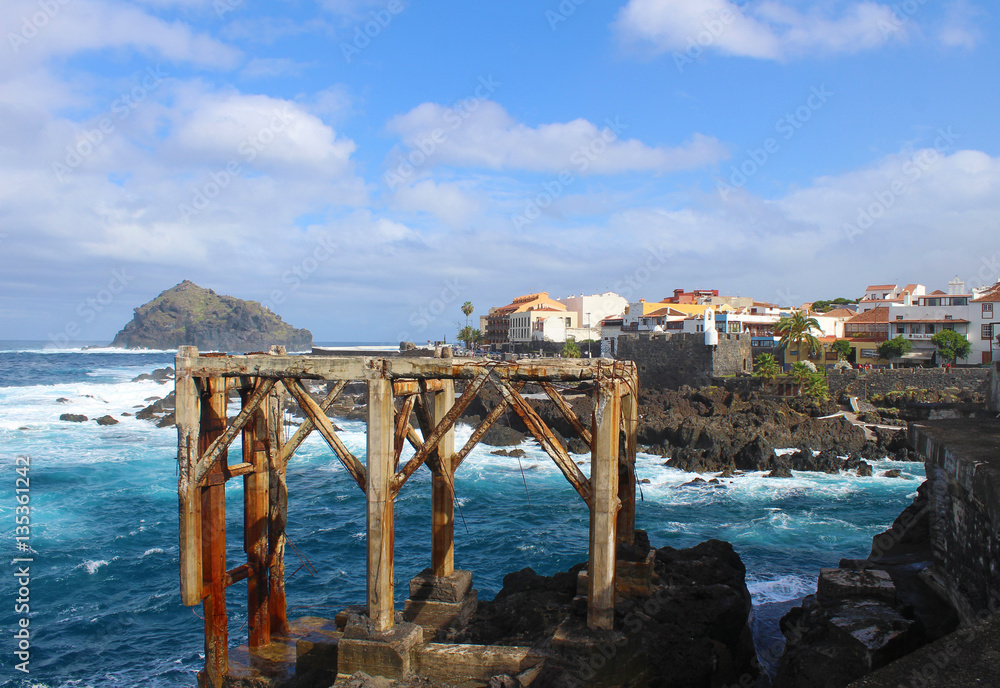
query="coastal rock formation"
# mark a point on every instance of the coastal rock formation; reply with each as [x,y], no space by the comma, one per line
[691,630]
[189,315]
[74,418]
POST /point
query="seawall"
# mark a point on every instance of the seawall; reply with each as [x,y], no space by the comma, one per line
[963,473]
[864,383]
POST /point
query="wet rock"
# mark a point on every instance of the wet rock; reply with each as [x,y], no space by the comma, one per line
[694,483]
[779,472]
[509,452]
[644,481]
[168,421]
[577,446]
[126,414]
[691,631]
[892,473]
[107,420]
[74,418]
[62,400]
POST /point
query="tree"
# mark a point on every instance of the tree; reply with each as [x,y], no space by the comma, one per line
[842,348]
[894,348]
[570,349]
[467,308]
[824,306]
[796,332]
[951,345]
[470,336]
[801,371]
[766,366]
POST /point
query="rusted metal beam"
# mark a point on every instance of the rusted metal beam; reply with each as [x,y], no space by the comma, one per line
[325,427]
[402,428]
[568,413]
[277,509]
[402,388]
[439,431]
[220,444]
[255,511]
[626,469]
[365,368]
[544,436]
[213,537]
[307,425]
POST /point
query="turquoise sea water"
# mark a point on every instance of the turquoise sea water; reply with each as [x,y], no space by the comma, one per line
[105,607]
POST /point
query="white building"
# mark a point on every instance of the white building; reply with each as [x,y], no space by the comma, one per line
[591,310]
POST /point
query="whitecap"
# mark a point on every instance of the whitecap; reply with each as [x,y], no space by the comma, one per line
[93,566]
[780,589]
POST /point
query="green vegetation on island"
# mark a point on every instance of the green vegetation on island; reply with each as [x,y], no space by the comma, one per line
[190,315]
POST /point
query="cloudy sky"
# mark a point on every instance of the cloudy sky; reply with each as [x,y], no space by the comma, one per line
[365,167]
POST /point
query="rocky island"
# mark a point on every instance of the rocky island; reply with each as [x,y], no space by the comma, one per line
[190,315]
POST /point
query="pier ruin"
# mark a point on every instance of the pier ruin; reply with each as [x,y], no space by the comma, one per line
[399,391]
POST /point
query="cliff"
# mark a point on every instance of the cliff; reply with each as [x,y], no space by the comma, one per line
[189,315]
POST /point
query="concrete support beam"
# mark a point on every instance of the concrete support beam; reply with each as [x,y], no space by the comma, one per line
[381,526]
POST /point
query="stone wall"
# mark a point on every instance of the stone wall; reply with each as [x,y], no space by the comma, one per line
[672,360]
[994,401]
[963,473]
[863,383]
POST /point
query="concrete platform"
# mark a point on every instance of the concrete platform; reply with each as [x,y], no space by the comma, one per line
[968,657]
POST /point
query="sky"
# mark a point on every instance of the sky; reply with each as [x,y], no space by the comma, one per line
[365,167]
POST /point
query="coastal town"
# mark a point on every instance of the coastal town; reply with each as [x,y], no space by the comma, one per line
[908,315]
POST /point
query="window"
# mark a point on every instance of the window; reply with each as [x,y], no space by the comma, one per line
[900,329]
[987,332]
[987,310]
[933,302]
[962,301]
[930,328]
[899,317]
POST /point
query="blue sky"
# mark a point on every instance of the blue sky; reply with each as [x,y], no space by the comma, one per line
[365,167]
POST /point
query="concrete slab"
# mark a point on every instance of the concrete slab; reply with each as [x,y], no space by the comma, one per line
[840,584]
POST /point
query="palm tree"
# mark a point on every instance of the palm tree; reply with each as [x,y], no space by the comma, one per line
[467,308]
[766,366]
[796,332]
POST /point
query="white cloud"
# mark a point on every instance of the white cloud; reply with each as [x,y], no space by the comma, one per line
[770,29]
[446,201]
[260,130]
[480,133]
[960,29]
[87,25]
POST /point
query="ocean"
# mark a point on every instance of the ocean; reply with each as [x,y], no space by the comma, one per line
[104,593]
